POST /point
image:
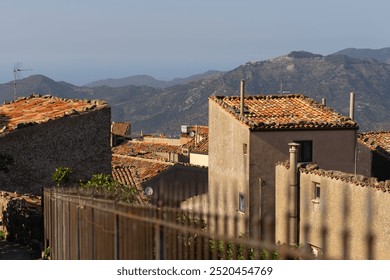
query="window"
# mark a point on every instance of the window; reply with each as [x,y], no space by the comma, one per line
[305,153]
[316,192]
[241,203]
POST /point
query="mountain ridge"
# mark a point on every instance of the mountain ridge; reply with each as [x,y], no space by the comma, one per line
[146,80]
[163,110]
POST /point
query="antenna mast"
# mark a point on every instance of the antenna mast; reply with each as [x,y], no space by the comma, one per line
[17,69]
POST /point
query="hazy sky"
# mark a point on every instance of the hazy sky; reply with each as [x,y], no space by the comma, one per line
[80,41]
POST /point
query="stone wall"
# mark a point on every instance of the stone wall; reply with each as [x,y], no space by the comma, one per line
[21,219]
[79,141]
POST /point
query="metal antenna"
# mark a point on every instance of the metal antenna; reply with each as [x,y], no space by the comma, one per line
[17,69]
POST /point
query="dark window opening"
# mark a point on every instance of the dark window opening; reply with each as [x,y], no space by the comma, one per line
[305,151]
[317,191]
[241,203]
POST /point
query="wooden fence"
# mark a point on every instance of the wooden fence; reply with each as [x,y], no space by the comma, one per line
[78,226]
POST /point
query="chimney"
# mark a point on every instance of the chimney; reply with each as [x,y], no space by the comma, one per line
[324,101]
[242,97]
[352,106]
[293,195]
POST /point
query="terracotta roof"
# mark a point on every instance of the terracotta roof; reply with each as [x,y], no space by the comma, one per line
[133,170]
[376,141]
[292,111]
[202,144]
[121,128]
[145,149]
[202,147]
[200,129]
[36,109]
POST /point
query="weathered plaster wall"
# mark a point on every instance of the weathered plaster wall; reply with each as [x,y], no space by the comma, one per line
[177,184]
[350,203]
[333,149]
[228,164]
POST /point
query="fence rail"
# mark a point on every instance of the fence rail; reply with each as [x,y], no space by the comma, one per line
[86,227]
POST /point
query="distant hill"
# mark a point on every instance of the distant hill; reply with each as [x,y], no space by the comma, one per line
[145,80]
[382,55]
[163,110]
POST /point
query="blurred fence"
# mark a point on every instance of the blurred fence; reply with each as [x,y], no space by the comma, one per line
[78,225]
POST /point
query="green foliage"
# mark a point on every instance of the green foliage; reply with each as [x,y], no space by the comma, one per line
[5,161]
[231,250]
[61,175]
[105,184]
[191,220]
[46,253]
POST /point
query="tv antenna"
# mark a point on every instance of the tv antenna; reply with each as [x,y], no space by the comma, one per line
[17,69]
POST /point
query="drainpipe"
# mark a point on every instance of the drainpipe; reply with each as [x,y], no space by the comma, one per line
[242,96]
[293,195]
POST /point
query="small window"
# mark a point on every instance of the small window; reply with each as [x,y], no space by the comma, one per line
[316,191]
[241,203]
[305,151]
[245,149]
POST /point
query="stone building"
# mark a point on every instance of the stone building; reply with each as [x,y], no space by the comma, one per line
[338,215]
[195,144]
[41,133]
[248,135]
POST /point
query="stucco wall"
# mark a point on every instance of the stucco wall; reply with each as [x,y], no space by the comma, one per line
[177,184]
[364,160]
[199,159]
[228,165]
[355,204]
[332,149]
[81,142]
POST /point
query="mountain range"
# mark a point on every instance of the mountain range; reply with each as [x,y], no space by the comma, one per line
[162,109]
[146,80]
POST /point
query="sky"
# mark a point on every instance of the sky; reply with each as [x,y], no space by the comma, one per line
[80,41]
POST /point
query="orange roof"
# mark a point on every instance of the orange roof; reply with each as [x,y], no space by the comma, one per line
[201,135]
[202,147]
[292,111]
[132,170]
[145,149]
[36,109]
[376,141]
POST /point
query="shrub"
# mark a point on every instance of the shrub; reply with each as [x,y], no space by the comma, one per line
[106,184]
[61,175]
